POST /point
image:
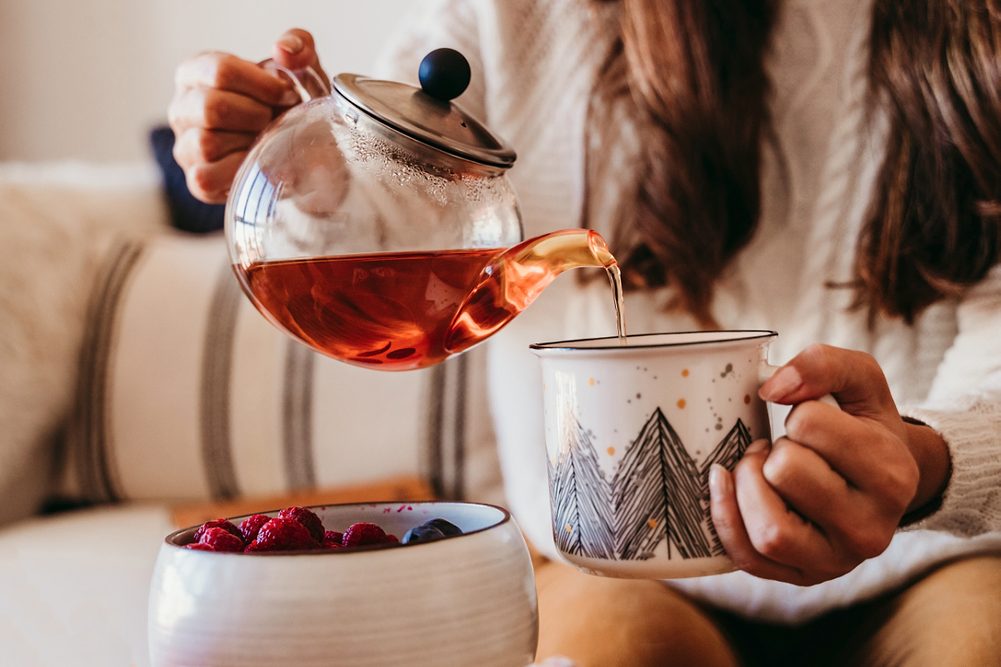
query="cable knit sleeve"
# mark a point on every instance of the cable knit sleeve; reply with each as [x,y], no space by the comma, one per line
[964,407]
[445,23]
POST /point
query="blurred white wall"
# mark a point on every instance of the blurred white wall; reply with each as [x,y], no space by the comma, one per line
[88,78]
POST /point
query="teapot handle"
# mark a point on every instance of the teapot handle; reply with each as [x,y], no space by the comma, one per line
[296,77]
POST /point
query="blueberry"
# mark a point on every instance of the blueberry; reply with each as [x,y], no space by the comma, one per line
[422,533]
[447,528]
[444,74]
[435,529]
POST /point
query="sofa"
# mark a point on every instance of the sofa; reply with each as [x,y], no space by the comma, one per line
[74,584]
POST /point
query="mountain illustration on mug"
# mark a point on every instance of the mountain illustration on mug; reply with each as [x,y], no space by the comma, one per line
[658,491]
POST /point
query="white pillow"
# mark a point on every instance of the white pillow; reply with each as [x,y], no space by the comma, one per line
[188,393]
[52,222]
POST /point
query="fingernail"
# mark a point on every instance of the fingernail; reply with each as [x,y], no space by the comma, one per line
[785,381]
[289,98]
[720,485]
[756,446]
[291,44]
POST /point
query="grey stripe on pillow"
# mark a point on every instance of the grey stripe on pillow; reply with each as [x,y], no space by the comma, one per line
[459,453]
[297,415]
[89,434]
[445,442]
[432,454]
[217,367]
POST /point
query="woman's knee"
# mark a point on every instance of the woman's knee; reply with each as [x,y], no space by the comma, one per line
[607,622]
[950,617]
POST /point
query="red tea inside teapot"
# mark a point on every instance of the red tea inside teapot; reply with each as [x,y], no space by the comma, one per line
[408,310]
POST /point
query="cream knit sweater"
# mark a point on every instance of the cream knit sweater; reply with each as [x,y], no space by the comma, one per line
[533,64]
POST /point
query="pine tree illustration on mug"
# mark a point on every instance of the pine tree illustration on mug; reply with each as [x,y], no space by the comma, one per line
[582,515]
[657,491]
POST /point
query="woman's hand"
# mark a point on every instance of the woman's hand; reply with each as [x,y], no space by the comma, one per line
[814,504]
[221,103]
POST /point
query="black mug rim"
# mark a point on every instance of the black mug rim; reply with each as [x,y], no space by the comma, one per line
[575,344]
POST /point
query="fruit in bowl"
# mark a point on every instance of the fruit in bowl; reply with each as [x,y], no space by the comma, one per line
[300,529]
[333,585]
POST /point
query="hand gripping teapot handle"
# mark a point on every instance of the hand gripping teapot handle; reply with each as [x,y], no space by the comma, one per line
[299,78]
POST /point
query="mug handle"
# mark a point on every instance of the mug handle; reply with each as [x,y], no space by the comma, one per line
[296,77]
[777,413]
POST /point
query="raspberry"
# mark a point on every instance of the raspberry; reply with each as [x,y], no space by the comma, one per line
[251,525]
[221,539]
[217,523]
[359,534]
[333,536]
[306,518]
[282,535]
[391,539]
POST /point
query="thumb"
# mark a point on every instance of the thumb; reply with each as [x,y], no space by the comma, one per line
[296,50]
[854,378]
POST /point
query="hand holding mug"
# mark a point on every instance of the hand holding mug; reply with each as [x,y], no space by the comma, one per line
[814,504]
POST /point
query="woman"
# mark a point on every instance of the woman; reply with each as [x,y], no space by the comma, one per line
[829,170]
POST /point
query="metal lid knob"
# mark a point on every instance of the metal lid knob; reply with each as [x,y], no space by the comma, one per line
[444,74]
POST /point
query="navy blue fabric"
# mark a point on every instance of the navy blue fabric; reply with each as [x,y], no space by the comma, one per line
[186,212]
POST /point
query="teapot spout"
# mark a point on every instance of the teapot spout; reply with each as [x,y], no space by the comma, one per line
[516,277]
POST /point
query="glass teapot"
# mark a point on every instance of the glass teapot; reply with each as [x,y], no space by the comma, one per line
[376,222]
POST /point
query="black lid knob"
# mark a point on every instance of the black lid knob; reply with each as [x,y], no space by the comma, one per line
[444,74]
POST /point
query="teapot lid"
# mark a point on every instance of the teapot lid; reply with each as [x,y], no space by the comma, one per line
[427,114]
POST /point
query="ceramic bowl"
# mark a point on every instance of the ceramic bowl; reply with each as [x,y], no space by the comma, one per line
[463,600]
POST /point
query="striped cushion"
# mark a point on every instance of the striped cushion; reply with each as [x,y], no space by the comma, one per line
[186,392]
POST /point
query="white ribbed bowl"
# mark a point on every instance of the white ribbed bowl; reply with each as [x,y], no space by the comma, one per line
[465,600]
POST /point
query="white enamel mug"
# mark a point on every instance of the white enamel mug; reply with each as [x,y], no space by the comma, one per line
[632,429]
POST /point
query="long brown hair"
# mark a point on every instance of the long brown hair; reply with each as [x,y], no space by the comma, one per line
[935,220]
[693,75]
